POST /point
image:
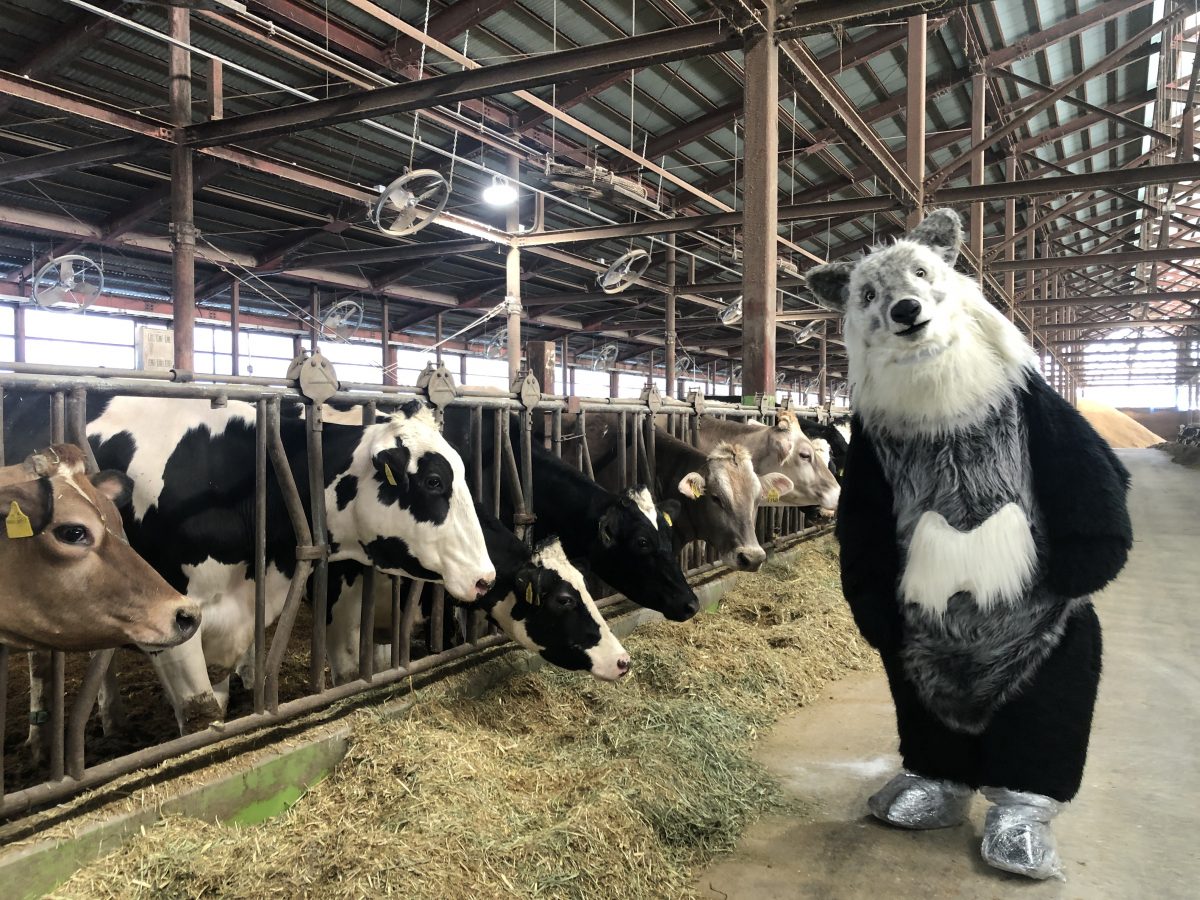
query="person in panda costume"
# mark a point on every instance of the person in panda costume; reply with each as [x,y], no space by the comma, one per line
[979,512]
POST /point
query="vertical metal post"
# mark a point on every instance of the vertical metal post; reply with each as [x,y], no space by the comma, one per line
[297,345]
[978,119]
[914,161]
[314,312]
[512,277]
[614,382]
[823,374]
[235,326]
[437,333]
[760,258]
[260,556]
[462,369]
[3,708]
[183,232]
[669,358]
[1010,228]
[366,621]
[216,89]
[320,570]
[19,334]
[385,341]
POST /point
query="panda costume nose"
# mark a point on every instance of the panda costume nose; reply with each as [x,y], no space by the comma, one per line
[905,311]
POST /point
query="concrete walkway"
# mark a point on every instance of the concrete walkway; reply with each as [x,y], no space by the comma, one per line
[1134,831]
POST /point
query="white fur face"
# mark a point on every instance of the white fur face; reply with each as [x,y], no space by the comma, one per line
[927,351]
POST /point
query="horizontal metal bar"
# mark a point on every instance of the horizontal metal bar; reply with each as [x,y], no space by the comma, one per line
[787,213]
[1122,258]
[31,167]
[804,17]
[1061,184]
[1102,299]
[405,253]
[1190,322]
[668,45]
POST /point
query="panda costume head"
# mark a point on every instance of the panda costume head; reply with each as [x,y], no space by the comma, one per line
[927,352]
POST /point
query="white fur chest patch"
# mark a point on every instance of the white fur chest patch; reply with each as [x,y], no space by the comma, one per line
[994,561]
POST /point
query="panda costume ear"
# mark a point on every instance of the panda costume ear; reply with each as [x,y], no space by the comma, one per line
[941,231]
[829,284]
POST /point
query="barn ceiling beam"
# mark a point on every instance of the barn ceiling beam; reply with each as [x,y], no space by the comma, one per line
[1081,261]
[72,159]
[1114,299]
[1062,184]
[445,25]
[568,96]
[668,45]
[799,18]
[1078,325]
[407,252]
[1069,27]
[1106,63]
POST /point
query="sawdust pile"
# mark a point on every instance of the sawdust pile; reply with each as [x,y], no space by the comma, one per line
[1121,431]
[549,785]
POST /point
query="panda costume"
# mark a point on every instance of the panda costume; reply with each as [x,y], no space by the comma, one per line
[979,512]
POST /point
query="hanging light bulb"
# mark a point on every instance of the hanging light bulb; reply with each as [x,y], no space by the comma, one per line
[500,192]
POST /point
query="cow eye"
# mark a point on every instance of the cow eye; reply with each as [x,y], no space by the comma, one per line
[77,535]
[433,483]
[921,273]
[642,544]
[805,454]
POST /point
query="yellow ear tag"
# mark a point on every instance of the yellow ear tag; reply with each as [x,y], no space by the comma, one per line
[387,473]
[772,496]
[696,492]
[529,594]
[668,518]
[17,523]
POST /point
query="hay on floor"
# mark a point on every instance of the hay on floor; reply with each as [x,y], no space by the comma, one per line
[549,785]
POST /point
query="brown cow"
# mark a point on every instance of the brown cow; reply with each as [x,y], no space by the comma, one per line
[68,578]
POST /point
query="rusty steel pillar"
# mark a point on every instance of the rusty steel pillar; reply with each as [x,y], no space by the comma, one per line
[978,121]
[669,351]
[183,231]
[541,363]
[614,382]
[19,334]
[314,312]
[512,278]
[823,374]
[914,160]
[437,337]
[761,209]
[235,325]
[566,348]
[385,343]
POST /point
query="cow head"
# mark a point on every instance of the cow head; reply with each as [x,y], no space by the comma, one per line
[721,499]
[403,506]
[551,613]
[634,552]
[71,580]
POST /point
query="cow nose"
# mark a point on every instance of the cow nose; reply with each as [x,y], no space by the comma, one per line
[483,585]
[186,622]
[749,559]
[623,665]
[905,311]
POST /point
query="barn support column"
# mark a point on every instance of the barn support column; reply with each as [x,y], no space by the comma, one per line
[823,375]
[761,210]
[978,119]
[19,334]
[1010,247]
[614,382]
[566,348]
[385,340]
[437,338]
[512,278]
[540,356]
[183,232]
[235,325]
[914,161]
[314,312]
[669,355]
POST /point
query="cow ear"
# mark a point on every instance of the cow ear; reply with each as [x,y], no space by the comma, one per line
[608,525]
[116,486]
[692,485]
[774,485]
[830,284]
[782,444]
[27,507]
[941,231]
[670,510]
[392,465]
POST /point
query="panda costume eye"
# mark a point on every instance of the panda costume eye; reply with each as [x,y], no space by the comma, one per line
[869,295]
[921,273]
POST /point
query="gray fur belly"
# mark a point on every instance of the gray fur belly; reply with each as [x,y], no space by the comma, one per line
[978,622]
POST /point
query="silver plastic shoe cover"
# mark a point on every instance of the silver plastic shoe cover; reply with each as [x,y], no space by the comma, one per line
[912,801]
[1017,836]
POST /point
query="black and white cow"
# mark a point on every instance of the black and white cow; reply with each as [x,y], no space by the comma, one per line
[622,538]
[395,493]
[539,600]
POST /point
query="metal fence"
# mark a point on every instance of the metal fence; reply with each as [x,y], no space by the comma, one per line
[67,389]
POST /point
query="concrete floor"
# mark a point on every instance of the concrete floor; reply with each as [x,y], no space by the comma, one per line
[1134,830]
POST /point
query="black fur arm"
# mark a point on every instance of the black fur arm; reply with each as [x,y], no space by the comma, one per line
[866,531]
[1080,488]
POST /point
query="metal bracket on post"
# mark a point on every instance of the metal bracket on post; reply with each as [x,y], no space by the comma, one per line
[527,389]
[653,399]
[314,376]
[438,385]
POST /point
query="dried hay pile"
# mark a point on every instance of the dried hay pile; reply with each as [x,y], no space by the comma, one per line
[1120,430]
[549,785]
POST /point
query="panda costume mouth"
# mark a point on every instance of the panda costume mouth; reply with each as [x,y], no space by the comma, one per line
[914,330]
